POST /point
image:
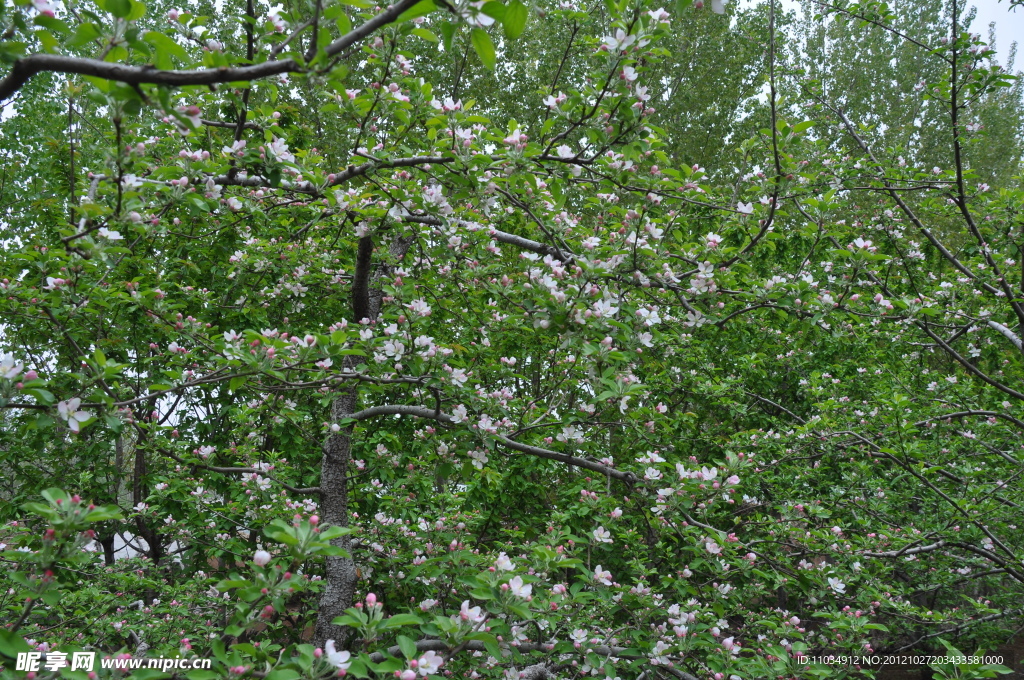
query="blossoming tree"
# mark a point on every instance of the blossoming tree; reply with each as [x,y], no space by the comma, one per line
[413,341]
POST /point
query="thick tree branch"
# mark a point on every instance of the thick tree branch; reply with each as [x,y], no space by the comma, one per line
[24,69]
[971,368]
[239,471]
[907,551]
[967,414]
[957,629]
[1007,333]
[424,412]
[504,237]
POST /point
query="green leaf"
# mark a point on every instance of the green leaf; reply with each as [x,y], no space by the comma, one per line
[202,675]
[103,514]
[281,532]
[116,54]
[419,9]
[228,585]
[484,47]
[408,646]
[12,51]
[425,34]
[119,8]
[334,532]
[149,674]
[447,33]
[11,644]
[282,674]
[344,24]
[51,597]
[50,43]
[137,12]
[516,15]
[167,45]
[348,620]
[52,24]
[332,550]
[38,509]
[53,494]
[399,620]
[44,397]
[489,640]
[389,665]
[495,10]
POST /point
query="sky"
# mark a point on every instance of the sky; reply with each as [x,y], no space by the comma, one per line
[1009,26]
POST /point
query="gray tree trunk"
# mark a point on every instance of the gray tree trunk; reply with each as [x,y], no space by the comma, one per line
[341,575]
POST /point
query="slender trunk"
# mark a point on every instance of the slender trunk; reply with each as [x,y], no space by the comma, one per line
[108,549]
[151,537]
[340,572]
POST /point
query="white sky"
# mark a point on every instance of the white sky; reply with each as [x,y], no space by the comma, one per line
[1009,26]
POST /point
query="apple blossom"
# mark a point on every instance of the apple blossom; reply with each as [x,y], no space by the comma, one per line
[471,614]
[619,42]
[69,411]
[517,587]
[9,368]
[339,659]
[836,585]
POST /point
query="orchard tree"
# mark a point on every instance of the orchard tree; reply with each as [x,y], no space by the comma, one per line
[493,340]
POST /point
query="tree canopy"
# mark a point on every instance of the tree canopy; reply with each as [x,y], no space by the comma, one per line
[497,339]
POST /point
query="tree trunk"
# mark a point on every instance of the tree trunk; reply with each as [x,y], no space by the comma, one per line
[341,576]
[340,570]
[108,549]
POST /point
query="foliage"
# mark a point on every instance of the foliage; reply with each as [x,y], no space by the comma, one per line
[498,340]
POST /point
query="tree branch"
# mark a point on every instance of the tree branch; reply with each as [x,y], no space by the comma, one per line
[31,65]
[424,412]
[505,237]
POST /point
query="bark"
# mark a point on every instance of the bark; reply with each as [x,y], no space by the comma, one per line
[341,575]
[536,672]
[108,549]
